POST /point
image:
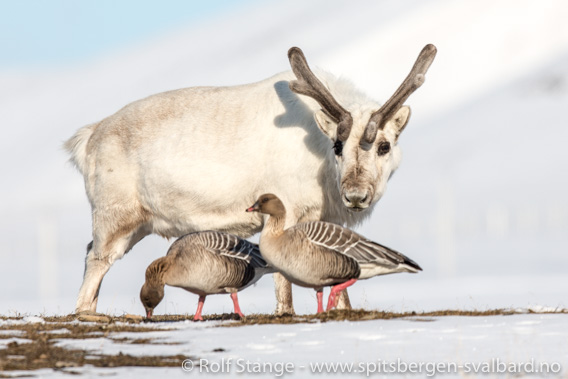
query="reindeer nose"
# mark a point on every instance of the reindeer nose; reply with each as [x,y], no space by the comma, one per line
[357,199]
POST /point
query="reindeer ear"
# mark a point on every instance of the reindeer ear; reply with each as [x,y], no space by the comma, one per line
[326,124]
[400,119]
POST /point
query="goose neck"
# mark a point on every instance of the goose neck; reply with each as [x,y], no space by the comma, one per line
[156,272]
[275,224]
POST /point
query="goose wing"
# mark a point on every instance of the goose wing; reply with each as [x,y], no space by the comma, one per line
[231,246]
[347,242]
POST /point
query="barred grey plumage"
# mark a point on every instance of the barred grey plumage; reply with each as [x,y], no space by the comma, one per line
[318,254]
[205,263]
[366,252]
[224,244]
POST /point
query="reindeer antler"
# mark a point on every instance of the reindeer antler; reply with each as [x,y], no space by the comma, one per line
[412,82]
[308,84]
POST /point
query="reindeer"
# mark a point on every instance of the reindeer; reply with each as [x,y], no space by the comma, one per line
[194,159]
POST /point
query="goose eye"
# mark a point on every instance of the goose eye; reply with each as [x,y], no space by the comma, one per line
[264,200]
[338,148]
[384,148]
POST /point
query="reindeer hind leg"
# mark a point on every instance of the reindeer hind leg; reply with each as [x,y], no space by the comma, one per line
[114,234]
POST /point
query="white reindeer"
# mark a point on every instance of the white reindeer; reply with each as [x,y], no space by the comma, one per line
[194,159]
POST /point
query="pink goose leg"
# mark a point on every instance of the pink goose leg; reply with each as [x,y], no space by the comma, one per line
[236,304]
[335,290]
[197,316]
[319,295]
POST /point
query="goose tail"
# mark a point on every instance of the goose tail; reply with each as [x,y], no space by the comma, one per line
[404,263]
[410,265]
[385,261]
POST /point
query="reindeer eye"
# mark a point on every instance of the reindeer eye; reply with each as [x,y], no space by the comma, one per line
[384,148]
[338,148]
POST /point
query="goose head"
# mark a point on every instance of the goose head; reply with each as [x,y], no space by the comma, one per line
[268,204]
[151,295]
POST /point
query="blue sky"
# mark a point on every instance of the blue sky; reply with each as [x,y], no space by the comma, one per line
[36,33]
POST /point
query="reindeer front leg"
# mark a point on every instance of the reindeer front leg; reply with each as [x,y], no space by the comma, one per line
[283,289]
[284,303]
[343,301]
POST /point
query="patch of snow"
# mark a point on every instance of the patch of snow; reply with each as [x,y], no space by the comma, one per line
[33,320]
[6,341]
[515,339]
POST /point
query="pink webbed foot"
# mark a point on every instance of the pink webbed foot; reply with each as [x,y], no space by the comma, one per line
[335,290]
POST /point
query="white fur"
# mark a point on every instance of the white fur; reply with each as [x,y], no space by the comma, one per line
[195,159]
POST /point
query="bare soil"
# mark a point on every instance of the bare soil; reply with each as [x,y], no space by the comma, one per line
[336,315]
[39,350]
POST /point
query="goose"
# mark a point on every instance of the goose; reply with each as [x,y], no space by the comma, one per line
[204,263]
[317,254]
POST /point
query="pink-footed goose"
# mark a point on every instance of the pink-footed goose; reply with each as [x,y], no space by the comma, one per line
[318,254]
[204,263]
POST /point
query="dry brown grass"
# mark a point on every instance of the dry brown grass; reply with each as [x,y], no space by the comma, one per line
[41,352]
[364,315]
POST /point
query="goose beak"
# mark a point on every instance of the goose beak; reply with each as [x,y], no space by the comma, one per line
[149,313]
[255,208]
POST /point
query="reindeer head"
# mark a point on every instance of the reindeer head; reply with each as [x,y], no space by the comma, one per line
[364,141]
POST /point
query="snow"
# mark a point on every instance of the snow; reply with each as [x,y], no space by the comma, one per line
[451,345]
[479,200]
[33,320]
